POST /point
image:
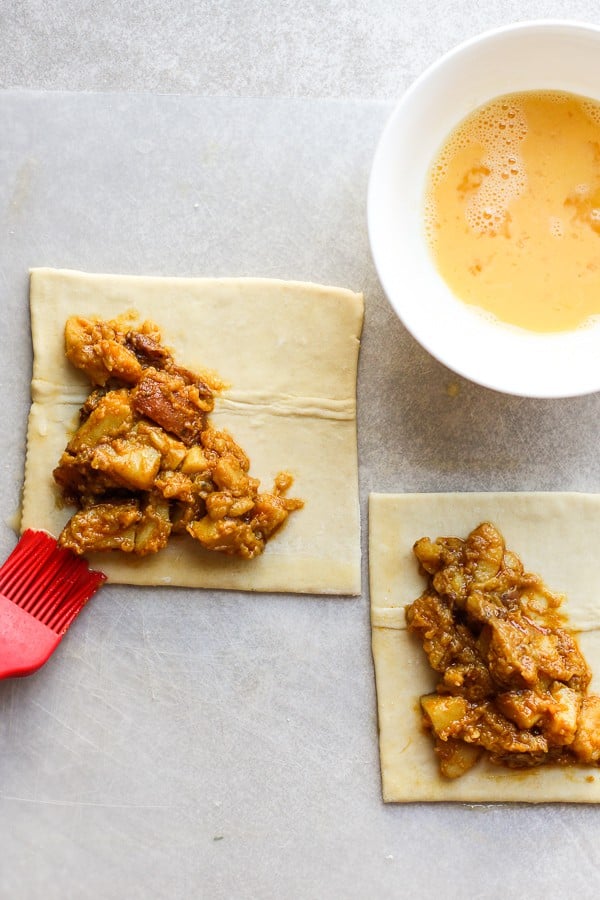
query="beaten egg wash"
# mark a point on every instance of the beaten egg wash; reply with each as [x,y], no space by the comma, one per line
[513,210]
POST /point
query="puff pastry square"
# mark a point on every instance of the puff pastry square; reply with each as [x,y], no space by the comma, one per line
[289,351]
[557,536]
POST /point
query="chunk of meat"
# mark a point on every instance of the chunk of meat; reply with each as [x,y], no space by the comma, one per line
[172,403]
[450,647]
[555,712]
[501,737]
[148,349]
[522,654]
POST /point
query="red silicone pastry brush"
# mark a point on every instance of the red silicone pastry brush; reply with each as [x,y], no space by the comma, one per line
[42,589]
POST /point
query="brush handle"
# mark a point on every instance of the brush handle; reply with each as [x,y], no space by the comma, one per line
[25,642]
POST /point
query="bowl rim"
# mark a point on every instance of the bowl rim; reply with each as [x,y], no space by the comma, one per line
[548,26]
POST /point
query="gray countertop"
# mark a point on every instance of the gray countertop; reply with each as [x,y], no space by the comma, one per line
[225,747]
[246,48]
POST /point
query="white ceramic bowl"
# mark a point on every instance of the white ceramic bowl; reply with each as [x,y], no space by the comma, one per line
[526,56]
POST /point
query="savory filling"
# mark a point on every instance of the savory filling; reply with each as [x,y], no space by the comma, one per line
[145,462]
[513,681]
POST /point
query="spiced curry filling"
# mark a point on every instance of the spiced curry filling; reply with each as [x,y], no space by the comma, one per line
[145,462]
[513,682]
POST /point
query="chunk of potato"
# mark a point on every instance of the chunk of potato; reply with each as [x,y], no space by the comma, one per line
[104,526]
[228,475]
[586,745]
[94,348]
[444,712]
[230,536]
[195,461]
[132,465]
[455,757]
[153,530]
[484,552]
[270,512]
[220,504]
[172,451]
[111,417]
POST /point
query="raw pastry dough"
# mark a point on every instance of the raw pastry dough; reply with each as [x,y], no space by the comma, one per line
[289,351]
[556,536]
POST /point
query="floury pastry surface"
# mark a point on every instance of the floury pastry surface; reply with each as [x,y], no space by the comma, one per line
[556,536]
[287,350]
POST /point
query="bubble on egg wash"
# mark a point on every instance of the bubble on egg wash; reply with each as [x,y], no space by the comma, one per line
[556,226]
[592,109]
[489,188]
[500,134]
[430,218]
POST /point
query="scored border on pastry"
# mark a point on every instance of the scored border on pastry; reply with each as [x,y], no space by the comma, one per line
[289,352]
[556,535]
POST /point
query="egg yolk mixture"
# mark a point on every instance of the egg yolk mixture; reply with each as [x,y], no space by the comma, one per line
[512,210]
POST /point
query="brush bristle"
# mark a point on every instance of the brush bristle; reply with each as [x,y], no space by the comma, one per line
[48,581]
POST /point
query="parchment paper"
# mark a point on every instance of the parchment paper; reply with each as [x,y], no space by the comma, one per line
[205,744]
